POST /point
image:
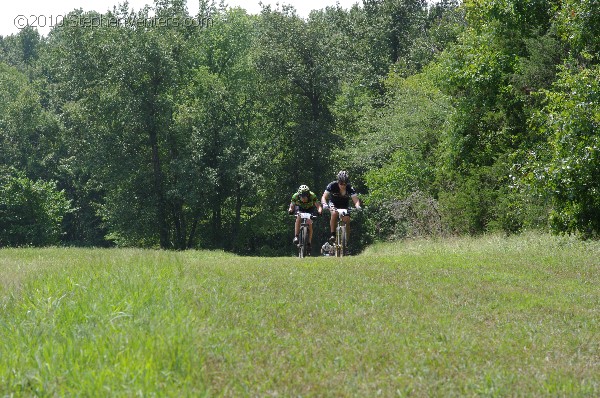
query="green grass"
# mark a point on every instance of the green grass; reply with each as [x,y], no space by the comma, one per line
[488,316]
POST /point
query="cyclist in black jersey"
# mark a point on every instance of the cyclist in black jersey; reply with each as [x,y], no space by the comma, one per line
[304,201]
[337,195]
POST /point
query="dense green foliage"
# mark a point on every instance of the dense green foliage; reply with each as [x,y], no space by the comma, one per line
[571,118]
[31,212]
[486,316]
[453,118]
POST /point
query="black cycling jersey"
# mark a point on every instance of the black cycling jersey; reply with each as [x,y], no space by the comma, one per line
[335,196]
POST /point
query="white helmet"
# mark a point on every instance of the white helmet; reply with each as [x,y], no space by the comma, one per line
[303,190]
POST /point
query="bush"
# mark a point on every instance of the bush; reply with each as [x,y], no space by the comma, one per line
[416,215]
[31,212]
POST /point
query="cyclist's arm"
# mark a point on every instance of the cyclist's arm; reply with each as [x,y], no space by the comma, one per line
[319,206]
[325,198]
[356,201]
[292,207]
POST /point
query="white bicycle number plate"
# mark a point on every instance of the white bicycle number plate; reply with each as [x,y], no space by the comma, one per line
[342,212]
[305,215]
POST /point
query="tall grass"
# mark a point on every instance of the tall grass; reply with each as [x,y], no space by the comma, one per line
[486,316]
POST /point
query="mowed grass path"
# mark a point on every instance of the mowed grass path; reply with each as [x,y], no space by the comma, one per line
[468,317]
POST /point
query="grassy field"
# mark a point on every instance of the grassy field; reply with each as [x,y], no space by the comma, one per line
[489,316]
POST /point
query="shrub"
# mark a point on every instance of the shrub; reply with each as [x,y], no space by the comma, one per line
[31,212]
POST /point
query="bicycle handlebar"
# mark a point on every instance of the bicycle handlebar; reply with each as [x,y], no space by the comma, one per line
[342,212]
[304,215]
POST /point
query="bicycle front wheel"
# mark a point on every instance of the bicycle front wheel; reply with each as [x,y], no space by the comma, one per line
[339,241]
[344,244]
[302,243]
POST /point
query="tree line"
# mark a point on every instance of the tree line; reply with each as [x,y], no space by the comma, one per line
[452,118]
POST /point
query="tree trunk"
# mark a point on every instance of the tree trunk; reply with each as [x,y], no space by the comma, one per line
[192,236]
[216,226]
[180,226]
[161,212]
[238,216]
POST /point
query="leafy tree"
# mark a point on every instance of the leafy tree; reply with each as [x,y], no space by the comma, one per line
[28,134]
[570,118]
[110,89]
[444,23]
[511,18]
[296,62]
[392,27]
[490,73]
[21,50]
[578,24]
[537,69]
[216,117]
[297,70]
[396,152]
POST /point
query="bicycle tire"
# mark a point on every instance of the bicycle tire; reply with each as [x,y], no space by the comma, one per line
[302,242]
[338,241]
[344,243]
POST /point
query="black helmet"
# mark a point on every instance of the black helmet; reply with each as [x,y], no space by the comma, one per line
[343,176]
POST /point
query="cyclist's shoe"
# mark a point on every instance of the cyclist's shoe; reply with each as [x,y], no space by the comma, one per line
[331,239]
[308,249]
[295,240]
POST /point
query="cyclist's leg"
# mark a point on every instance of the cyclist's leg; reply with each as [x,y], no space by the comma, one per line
[346,219]
[302,235]
[333,223]
[296,230]
[297,226]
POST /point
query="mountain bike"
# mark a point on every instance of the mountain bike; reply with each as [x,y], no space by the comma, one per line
[303,235]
